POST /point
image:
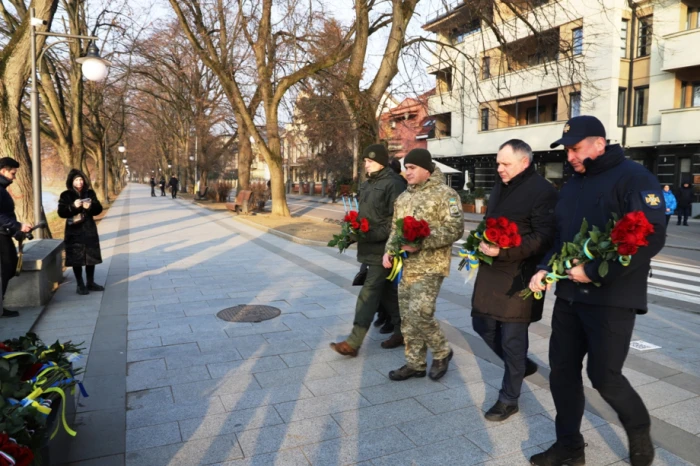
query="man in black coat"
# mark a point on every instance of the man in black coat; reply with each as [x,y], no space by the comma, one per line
[162,185]
[377,196]
[685,202]
[598,320]
[9,226]
[499,314]
[173,185]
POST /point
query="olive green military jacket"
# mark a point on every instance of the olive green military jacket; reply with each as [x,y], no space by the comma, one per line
[440,206]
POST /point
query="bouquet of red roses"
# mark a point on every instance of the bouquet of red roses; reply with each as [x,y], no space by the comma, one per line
[410,232]
[352,225]
[499,232]
[621,240]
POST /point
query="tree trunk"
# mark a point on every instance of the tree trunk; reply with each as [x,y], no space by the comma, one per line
[274,162]
[245,158]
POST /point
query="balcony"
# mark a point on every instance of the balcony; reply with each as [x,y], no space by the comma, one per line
[679,50]
[679,125]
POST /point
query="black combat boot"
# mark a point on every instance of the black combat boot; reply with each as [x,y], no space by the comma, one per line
[439,366]
[404,373]
[82,289]
[559,455]
[641,447]
[500,412]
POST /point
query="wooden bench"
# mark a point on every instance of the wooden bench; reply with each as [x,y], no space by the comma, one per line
[241,202]
[42,270]
[201,196]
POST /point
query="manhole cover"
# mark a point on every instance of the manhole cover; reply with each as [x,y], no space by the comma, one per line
[248,313]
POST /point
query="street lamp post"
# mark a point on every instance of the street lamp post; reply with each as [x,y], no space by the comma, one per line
[122,150]
[94,68]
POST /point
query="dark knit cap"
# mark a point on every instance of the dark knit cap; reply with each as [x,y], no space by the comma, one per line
[378,153]
[420,158]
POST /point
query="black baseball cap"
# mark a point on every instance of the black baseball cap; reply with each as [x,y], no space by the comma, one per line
[579,128]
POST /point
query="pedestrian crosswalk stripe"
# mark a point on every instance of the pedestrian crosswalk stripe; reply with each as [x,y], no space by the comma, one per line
[668,283]
[677,295]
[673,266]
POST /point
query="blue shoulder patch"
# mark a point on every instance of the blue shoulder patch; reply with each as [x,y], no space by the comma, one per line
[651,199]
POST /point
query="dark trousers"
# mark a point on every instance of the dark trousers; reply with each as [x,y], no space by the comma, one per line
[604,333]
[89,270]
[668,218]
[174,193]
[377,291]
[153,191]
[8,261]
[509,340]
[162,190]
[683,212]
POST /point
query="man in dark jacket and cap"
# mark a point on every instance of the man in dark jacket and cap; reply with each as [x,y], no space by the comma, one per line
[595,314]
[9,226]
[685,202]
[499,314]
[377,196]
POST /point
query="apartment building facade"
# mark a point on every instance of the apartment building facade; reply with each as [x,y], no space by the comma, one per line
[521,68]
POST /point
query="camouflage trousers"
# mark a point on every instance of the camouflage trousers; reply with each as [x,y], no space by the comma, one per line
[417,297]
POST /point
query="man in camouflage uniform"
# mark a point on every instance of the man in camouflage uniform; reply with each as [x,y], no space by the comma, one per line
[427,198]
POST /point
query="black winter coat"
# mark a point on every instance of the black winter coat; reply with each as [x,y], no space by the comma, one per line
[377,197]
[611,184]
[81,240]
[8,218]
[529,201]
[685,196]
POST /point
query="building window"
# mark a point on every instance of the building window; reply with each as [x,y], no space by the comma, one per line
[484,119]
[641,105]
[690,94]
[644,35]
[623,38]
[577,42]
[693,19]
[534,115]
[574,104]
[486,68]
[621,102]
[555,112]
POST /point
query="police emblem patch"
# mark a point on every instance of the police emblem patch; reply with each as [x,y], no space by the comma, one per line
[567,128]
[454,207]
[372,155]
[651,199]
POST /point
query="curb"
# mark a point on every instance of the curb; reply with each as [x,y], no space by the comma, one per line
[280,234]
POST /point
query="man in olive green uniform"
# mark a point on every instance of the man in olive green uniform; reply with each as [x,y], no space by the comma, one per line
[427,198]
[377,196]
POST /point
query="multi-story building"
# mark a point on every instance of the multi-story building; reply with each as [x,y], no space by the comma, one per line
[407,126]
[520,68]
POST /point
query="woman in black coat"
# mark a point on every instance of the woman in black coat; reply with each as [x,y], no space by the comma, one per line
[78,205]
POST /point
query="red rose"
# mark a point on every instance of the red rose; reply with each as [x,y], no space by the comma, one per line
[504,241]
[424,229]
[503,222]
[32,371]
[364,225]
[627,249]
[355,225]
[492,235]
[512,228]
[491,223]
[351,216]
[517,240]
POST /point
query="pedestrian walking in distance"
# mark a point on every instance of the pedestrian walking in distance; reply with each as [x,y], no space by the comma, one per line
[153,186]
[78,204]
[162,186]
[427,198]
[377,196]
[670,201]
[9,226]
[598,320]
[685,202]
[499,315]
[173,186]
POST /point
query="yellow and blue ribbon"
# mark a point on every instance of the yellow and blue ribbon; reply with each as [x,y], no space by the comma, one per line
[549,279]
[397,270]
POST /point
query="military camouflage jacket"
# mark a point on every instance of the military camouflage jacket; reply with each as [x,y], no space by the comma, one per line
[439,205]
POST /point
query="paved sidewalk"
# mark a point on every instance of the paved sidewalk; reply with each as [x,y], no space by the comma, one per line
[171,384]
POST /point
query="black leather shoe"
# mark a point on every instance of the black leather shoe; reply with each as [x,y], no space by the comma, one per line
[388,327]
[9,313]
[641,448]
[381,319]
[404,373]
[559,455]
[95,287]
[500,412]
[82,289]
[530,367]
[439,367]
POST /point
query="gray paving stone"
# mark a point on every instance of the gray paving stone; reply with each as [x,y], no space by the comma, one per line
[606,444]
[193,337]
[385,415]
[294,457]
[306,358]
[295,375]
[461,375]
[590,420]
[145,342]
[152,436]
[454,451]
[357,448]
[659,394]
[145,367]
[448,425]
[513,436]
[144,398]
[342,383]
[666,458]
[197,359]
[161,352]
[272,349]
[683,414]
[193,452]
[228,344]
[246,366]
[152,415]
[285,436]
[143,381]
[521,458]
[383,362]
[398,390]
[228,423]
[266,396]
[321,406]
[257,328]
[198,390]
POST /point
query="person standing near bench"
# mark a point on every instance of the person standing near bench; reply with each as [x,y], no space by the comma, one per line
[78,205]
[9,226]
